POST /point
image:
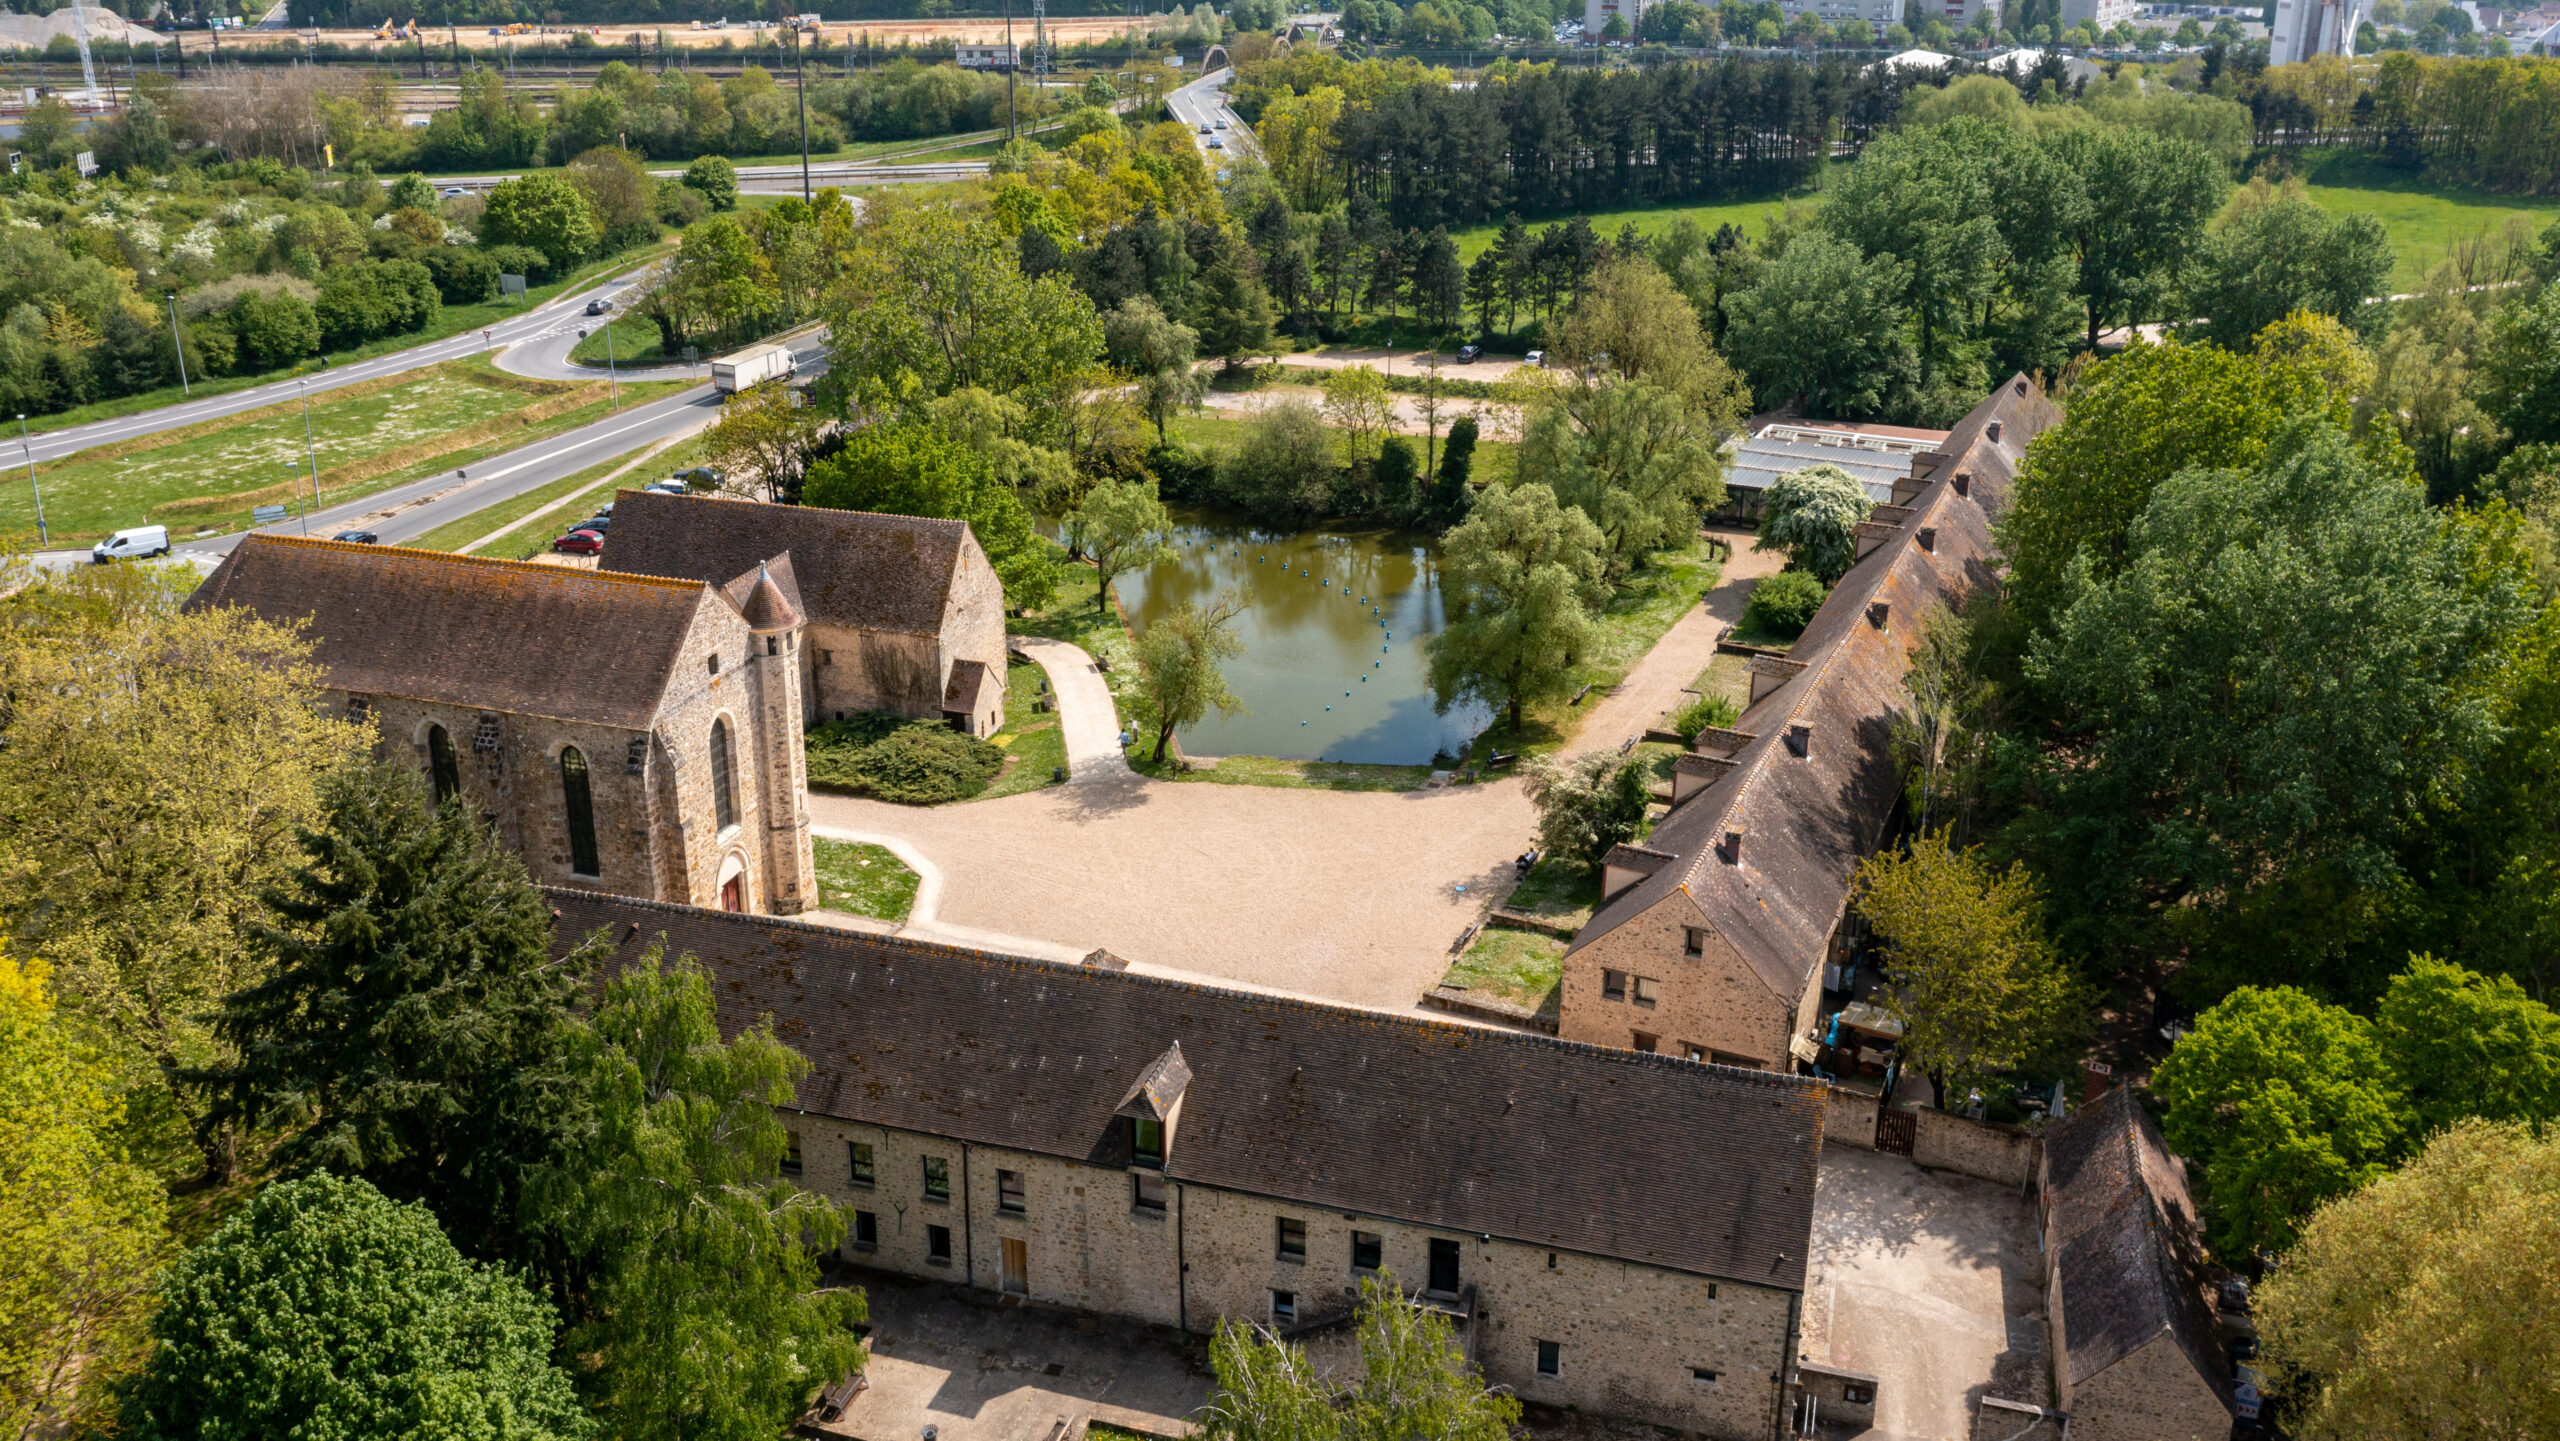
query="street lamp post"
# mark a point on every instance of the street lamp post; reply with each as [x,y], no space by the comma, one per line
[28,450]
[178,343]
[311,450]
[800,81]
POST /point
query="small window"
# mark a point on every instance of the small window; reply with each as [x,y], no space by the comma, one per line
[1284,1307]
[1293,1239]
[866,1230]
[859,1154]
[715,664]
[1550,1359]
[937,1178]
[1647,1044]
[791,1153]
[1444,1266]
[773,645]
[828,657]
[1693,942]
[579,804]
[724,789]
[937,1244]
[1551,1260]
[1693,1051]
[1368,1251]
[1711,1290]
[1009,1194]
[1146,1141]
[1646,990]
[1146,1190]
[1702,1375]
[1858,1395]
[1613,985]
[442,766]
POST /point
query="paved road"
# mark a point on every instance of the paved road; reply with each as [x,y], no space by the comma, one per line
[1204,102]
[546,356]
[781,179]
[542,320]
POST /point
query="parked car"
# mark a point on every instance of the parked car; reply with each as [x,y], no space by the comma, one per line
[599,306]
[599,524]
[665,487]
[358,537]
[142,540]
[700,477]
[1467,354]
[580,542]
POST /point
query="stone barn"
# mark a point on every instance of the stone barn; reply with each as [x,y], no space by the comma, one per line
[1713,938]
[905,614]
[624,734]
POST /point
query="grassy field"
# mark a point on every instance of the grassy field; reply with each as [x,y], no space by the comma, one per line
[635,342]
[865,880]
[1563,891]
[2425,221]
[1035,748]
[1525,968]
[622,469]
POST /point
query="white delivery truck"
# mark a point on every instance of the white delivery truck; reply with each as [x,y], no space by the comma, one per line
[142,540]
[752,366]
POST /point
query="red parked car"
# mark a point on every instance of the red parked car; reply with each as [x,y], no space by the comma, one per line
[579,542]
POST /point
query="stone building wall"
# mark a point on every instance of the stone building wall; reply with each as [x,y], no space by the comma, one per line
[973,614]
[850,670]
[2154,1394]
[1633,1339]
[698,696]
[509,769]
[1714,1002]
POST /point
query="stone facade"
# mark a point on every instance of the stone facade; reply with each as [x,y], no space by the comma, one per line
[1707,1006]
[2153,1394]
[401,635]
[962,1107]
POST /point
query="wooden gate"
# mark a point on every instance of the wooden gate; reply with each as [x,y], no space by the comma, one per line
[1896,1130]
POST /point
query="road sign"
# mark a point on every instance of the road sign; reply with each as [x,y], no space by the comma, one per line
[511,285]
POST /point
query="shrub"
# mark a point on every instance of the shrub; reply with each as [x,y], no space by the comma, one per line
[522,260]
[463,276]
[375,298]
[891,758]
[1784,603]
[272,329]
[1706,712]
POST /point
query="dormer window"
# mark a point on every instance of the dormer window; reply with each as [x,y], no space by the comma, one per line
[1146,1142]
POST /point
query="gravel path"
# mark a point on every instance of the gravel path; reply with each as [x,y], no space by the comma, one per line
[1652,689]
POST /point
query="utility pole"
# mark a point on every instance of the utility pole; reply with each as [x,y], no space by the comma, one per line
[178,343]
[28,449]
[800,81]
[1012,66]
[312,450]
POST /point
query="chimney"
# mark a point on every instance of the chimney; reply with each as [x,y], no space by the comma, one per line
[1994,432]
[1929,538]
[1732,847]
[1964,482]
[1800,738]
[1878,612]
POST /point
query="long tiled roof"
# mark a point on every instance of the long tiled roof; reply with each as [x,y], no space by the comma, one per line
[855,569]
[498,635]
[2130,1264]
[1807,820]
[1611,1153]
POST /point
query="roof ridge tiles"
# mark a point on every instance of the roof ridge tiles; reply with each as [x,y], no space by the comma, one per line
[412,556]
[1386,1019]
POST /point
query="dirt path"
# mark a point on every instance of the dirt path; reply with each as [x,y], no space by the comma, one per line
[1652,689]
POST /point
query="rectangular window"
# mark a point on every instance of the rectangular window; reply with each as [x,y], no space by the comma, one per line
[791,1153]
[1858,1395]
[1444,1266]
[1702,1375]
[1711,1290]
[1645,990]
[1646,1043]
[1293,1239]
[937,1244]
[1146,1141]
[1550,1359]
[937,1178]
[1551,1260]
[866,1230]
[858,1155]
[1613,985]
[826,657]
[1284,1307]
[1009,1195]
[1693,942]
[1146,1190]
[1693,1051]
[1368,1251]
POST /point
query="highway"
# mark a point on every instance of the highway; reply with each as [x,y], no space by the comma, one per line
[1204,102]
[782,179]
[542,320]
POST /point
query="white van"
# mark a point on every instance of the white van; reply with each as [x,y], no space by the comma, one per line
[142,540]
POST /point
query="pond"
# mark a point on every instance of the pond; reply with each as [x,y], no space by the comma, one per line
[1333,666]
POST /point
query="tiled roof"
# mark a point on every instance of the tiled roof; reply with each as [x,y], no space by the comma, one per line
[968,679]
[1808,819]
[767,596]
[499,635]
[2130,1264]
[855,569]
[1610,1153]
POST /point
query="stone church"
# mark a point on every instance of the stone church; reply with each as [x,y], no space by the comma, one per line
[905,614]
[1716,938]
[624,733]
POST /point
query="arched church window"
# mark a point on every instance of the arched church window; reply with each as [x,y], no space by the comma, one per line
[724,789]
[579,802]
[442,767]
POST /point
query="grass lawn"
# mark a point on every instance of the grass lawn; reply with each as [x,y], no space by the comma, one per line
[1522,967]
[635,342]
[865,880]
[1750,213]
[1559,890]
[453,320]
[454,535]
[2424,220]
[1034,745]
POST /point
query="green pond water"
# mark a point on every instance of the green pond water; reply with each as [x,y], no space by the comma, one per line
[1333,665]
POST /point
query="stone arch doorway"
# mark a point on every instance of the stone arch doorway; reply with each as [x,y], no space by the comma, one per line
[733,883]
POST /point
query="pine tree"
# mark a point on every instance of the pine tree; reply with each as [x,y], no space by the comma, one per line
[1484,287]
[1334,261]
[409,1031]
[1437,281]
[1232,310]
